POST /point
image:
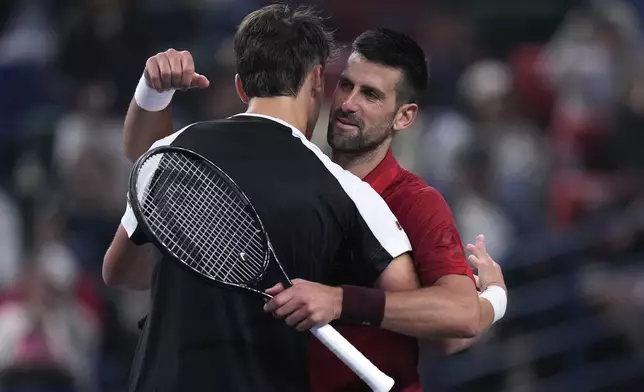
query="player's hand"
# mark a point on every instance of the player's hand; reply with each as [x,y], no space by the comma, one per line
[173,70]
[489,272]
[305,304]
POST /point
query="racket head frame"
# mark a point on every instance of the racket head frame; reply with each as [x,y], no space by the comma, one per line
[152,237]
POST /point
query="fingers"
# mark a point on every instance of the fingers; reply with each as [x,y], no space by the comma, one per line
[479,249]
[273,291]
[303,318]
[176,69]
[298,317]
[476,263]
[199,81]
[287,309]
[480,243]
[188,67]
[278,301]
[173,70]
[488,271]
[306,324]
[153,74]
[165,71]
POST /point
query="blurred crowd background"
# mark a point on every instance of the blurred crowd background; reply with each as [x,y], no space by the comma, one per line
[531,128]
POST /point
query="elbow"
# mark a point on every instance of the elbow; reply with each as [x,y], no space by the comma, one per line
[467,324]
[130,156]
[470,328]
[110,280]
[131,146]
[110,277]
[452,346]
[130,152]
[443,347]
[466,329]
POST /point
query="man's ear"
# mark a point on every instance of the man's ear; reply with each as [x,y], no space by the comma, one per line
[405,116]
[239,86]
[317,80]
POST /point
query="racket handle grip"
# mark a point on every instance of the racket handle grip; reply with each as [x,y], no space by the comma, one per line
[368,372]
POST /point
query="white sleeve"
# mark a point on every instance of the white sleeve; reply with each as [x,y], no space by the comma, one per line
[372,208]
[375,212]
[128,220]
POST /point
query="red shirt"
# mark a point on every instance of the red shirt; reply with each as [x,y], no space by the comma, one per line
[437,251]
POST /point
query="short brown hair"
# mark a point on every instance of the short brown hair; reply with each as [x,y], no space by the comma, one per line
[276,46]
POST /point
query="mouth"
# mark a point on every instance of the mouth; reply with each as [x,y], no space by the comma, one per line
[345,124]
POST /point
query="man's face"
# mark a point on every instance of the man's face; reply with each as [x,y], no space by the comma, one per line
[363,106]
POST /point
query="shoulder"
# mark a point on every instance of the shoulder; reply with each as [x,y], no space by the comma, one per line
[352,185]
[170,139]
[197,131]
[425,215]
[412,199]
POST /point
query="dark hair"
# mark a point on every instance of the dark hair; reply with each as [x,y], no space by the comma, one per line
[276,46]
[390,48]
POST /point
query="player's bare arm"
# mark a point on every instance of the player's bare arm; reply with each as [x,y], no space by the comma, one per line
[450,308]
[149,117]
[489,275]
[439,311]
[447,309]
[307,304]
[127,265]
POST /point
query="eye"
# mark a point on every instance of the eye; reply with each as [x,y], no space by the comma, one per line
[345,84]
[372,96]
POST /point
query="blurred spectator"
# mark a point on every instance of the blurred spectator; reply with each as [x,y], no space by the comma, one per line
[518,156]
[448,38]
[474,211]
[42,323]
[28,43]
[105,40]
[10,240]
[92,172]
[448,133]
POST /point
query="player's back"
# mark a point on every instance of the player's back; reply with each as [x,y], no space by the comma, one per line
[200,337]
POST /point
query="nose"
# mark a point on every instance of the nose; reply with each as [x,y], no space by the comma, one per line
[349,105]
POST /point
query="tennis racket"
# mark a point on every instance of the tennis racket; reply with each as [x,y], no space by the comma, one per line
[196,214]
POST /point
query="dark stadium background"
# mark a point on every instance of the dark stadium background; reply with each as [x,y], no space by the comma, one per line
[532,129]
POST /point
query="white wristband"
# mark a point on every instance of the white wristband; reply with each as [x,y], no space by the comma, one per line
[150,99]
[498,299]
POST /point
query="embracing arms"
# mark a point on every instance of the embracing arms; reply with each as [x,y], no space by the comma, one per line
[447,306]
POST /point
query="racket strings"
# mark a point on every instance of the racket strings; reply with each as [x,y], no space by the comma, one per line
[198,216]
[244,272]
[207,268]
[229,220]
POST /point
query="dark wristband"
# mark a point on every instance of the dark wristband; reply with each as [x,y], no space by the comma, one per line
[362,305]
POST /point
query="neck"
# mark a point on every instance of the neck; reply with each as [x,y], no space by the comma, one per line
[285,108]
[361,164]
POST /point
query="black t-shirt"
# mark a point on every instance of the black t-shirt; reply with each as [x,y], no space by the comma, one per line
[200,337]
